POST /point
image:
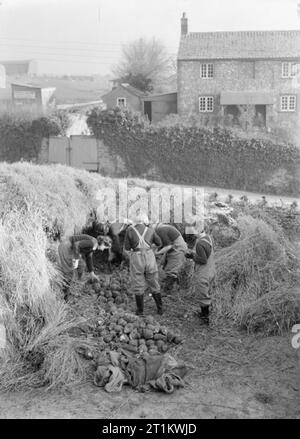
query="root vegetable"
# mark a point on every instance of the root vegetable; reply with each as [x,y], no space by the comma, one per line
[118,329]
[147,334]
[128,328]
[159,337]
[107,338]
[170,337]
[177,339]
[133,342]
[149,320]
[133,335]
[97,287]
[159,344]
[150,343]
[113,334]
[124,338]
[163,330]
[153,352]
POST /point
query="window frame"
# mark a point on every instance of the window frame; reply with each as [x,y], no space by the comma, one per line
[291,72]
[288,108]
[125,102]
[207,97]
[207,69]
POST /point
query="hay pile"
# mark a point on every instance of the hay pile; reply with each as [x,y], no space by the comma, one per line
[274,313]
[251,271]
[37,322]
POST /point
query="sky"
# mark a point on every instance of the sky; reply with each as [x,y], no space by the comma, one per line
[86,36]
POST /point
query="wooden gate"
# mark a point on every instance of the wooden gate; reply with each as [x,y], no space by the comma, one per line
[77,151]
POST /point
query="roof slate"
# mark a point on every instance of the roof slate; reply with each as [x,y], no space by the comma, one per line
[240,45]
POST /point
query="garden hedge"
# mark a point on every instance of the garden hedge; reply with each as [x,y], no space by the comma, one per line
[198,156]
[21,134]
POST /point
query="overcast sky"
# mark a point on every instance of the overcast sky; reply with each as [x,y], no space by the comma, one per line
[86,36]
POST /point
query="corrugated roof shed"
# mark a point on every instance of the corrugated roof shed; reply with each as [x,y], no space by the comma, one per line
[240,45]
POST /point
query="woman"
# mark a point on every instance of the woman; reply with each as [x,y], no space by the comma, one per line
[173,248]
[139,240]
[71,252]
[204,270]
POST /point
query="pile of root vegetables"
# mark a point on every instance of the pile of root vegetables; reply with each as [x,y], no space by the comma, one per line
[113,289]
[123,329]
[117,327]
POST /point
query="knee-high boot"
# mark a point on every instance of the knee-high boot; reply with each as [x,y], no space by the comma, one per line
[139,299]
[158,301]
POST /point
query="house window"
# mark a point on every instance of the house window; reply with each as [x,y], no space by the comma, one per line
[207,70]
[121,102]
[206,104]
[288,69]
[288,103]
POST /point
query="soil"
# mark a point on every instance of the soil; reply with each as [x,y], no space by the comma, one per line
[232,375]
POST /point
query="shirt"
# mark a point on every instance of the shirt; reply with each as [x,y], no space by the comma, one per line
[167,233]
[132,239]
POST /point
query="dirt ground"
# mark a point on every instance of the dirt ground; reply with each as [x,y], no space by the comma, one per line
[232,375]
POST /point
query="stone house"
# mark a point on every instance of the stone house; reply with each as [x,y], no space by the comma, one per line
[231,74]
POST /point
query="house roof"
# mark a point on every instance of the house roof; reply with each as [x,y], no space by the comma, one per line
[130,89]
[133,90]
[30,85]
[240,45]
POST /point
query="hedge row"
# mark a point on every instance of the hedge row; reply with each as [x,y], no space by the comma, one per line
[21,134]
[198,156]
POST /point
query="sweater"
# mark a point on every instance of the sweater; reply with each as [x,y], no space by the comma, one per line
[202,250]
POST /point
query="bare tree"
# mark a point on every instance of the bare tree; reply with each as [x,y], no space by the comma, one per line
[144,63]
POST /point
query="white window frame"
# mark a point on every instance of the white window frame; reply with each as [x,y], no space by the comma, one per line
[207,108]
[125,102]
[207,70]
[288,69]
[286,103]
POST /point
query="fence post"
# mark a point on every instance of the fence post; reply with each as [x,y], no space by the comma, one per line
[69,151]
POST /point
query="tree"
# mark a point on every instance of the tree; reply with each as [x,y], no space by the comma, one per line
[144,63]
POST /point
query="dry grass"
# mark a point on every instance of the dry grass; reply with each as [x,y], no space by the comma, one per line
[275,313]
[251,271]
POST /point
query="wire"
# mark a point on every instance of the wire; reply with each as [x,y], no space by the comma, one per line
[77,42]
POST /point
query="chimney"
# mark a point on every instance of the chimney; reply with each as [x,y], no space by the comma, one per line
[184,24]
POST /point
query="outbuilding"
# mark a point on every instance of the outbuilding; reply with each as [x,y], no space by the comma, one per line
[157,106]
[32,95]
[124,96]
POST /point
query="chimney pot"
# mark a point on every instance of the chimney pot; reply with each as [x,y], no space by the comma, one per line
[184,24]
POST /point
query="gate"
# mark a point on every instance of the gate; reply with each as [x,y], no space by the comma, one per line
[76,151]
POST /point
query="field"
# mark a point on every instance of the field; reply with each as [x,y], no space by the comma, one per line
[70,91]
[244,366]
